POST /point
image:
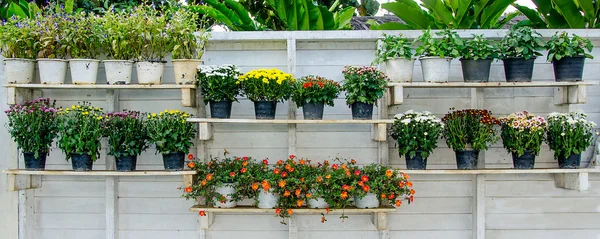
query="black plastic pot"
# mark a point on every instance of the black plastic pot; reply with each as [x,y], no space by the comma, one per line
[265,109]
[313,111]
[174,161]
[466,159]
[220,109]
[362,111]
[518,69]
[81,162]
[126,163]
[476,70]
[572,161]
[569,68]
[416,162]
[35,164]
[525,161]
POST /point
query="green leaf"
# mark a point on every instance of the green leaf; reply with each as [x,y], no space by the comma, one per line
[505,20]
[293,16]
[15,10]
[461,10]
[534,17]
[570,12]
[492,13]
[240,11]
[411,13]
[440,12]
[553,18]
[343,17]
[388,25]
[587,6]
[327,18]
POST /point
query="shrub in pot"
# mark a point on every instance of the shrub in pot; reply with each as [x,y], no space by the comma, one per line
[396,54]
[436,54]
[266,178]
[518,50]
[312,93]
[118,30]
[19,61]
[80,135]
[219,86]
[150,44]
[522,134]
[53,50]
[379,182]
[364,85]
[568,56]
[172,136]
[84,38]
[187,47]
[317,186]
[340,181]
[292,187]
[468,132]
[265,88]
[127,138]
[33,126]
[569,135]
[477,55]
[416,134]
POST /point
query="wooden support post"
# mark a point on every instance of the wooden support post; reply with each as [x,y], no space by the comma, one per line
[111,194]
[379,132]
[397,95]
[27,220]
[204,223]
[204,131]
[560,95]
[18,96]
[572,181]
[478,207]
[380,222]
[22,182]
[292,110]
[577,94]
[188,97]
[188,180]
[293,227]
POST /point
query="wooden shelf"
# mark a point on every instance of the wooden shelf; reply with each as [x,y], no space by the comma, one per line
[302,210]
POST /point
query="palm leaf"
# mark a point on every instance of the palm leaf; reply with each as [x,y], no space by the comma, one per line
[409,12]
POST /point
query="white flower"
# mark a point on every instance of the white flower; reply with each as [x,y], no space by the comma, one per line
[425,133]
[562,134]
[405,121]
[409,112]
[426,113]
[398,116]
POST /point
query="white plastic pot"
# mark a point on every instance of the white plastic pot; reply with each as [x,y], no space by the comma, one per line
[118,72]
[84,71]
[150,73]
[19,71]
[52,71]
[436,69]
[399,69]
[368,201]
[185,71]
[226,190]
[267,199]
[317,203]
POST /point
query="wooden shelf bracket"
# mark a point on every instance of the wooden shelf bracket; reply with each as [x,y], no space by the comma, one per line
[572,181]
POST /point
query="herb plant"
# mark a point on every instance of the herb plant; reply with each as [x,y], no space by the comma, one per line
[268,85]
[84,36]
[363,84]
[51,33]
[479,48]
[18,38]
[33,125]
[219,82]
[81,130]
[182,28]
[416,132]
[170,132]
[523,131]
[315,89]
[560,46]
[119,32]
[569,133]
[447,46]
[126,133]
[521,42]
[392,47]
[470,128]
[151,40]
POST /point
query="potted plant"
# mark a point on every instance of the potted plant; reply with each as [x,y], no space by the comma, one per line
[52,45]
[18,42]
[265,88]
[317,186]
[188,47]
[118,30]
[397,55]
[83,38]
[379,182]
[468,132]
[127,138]
[569,135]
[477,55]
[522,134]
[219,87]
[416,134]
[33,126]
[150,44]
[568,55]
[519,49]
[172,136]
[312,93]
[436,54]
[80,134]
[364,85]
[291,188]
[340,183]
[265,180]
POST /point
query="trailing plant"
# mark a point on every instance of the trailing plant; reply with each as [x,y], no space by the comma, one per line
[479,48]
[569,133]
[170,132]
[447,46]
[83,36]
[522,131]
[340,180]
[268,85]
[315,89]
[291,188]
[393,47]
[126,133]
[521,42]
[18,38]
[33,125]
[187,36]
[151,40]
[119,32]
[416,132]
[219,82]
[389,185]
[561,14]
[81,130]
[470,129]
[363,84]
[560,46]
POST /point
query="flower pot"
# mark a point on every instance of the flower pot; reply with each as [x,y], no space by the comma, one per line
[368,201]
[436,69]
[185,70]
[313,111]
[416,162]
[150,73]
[226,190]
[525,161]
[220,109]
[572,161]
[317,203]
[476,70]
[52,71]
[81,162]
[19,71]
[466,159]
[569,68]
[173,161]
[118,72]
[362,111]
[35,164]
[126,163]
[84,71]
[267,199]
[265,109]
[399,69]
[518,69]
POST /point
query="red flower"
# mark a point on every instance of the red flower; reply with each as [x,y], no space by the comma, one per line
[188,189]
[245,158]
[292,156]
[202,213]
[357,172]
[344,195]
[366,188]
[190,156]
[327,210]
[335,166]
[232,174]
[265,161]
[276,171]
[243,170]
[283,174]
[278,211]
[364,178]
[345,187]
[321,84]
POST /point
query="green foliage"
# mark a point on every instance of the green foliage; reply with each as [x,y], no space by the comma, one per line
[562,14]
[388,184]
[33,125]
[479,48]
[392,47]
[470,128]
[83,36]
[151,41]
[416,132]
[364,7]
[560,45]
[448,46]
[268,85]
[50,30]
[219,82]
[569,133]
[523,131]
[521,42]
[229,13]
[126,133]
[18,38]
[18,8]
[304,15]
[363,84]
[118,31]
[315,89]
[170,132]
[81,130]
[182,28]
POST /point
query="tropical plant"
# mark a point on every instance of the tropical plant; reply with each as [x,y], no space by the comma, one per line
[363,84]
[188,39]
[83,35]
[390,185]
[81,130]
[561,14]
[416,132]
[523,131]
[219,82]
[447,46]
[315,89]
[170,132]
[151,40]
[392,47]
[479,48]
[470,129]
[118,31]
[126,133]
[229,13]
[569,133]
[364,7]
[560,46]
[19,39]
[18,8]
[268,85]
[33,125]
[521,42]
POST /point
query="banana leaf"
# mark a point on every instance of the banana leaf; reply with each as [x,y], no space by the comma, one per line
[535,20]
[552,17]
[569,10]
[409,12]
[240,12]
[491,14]
[343,17]
[440,12]
[388,25]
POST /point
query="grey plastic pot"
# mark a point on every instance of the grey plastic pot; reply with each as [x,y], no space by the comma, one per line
[436,69]
[518,69]
[569,68]
[476,70]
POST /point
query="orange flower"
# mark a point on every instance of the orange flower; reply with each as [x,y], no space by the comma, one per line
[409,184]
[323,220]
[366,188]
[398,203]
[243,170]
[299,203]
[344,166]
[319,179]
[278,211]
[389,173]
[282,184]
[276,171]
[203,182]
[190,156]
[301,179]
[401,184]
[308,195]
[291,170]
[202,213]
[412,191]
[364,178]
[344,195]
[284,174]
[357,172]
[328,176]
[302,161]
[188,189]
[191,165]
[255,186]
[383,196]
[411,198]
[245,163]
[327,210]
[405,175]
[279,162]
[209,176]
[232,174]
[286,193]
[348,173]
[391,196]
[290,211]
[345,187]
[266,185]
[297,192]
[360,183]
[352,161]
[292,156]
[334,167]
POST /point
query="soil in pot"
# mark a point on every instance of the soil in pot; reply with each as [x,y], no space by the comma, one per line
[267,199]
[220,109]
[368,201]
[518,69]
[476,70]
[416,162]
[573,161]
[362,111]
[173,161]
[569,68]
[19,71]
[81,162]
[84,71]
[525,161]
[399,69]
[265,109]
[52,71]
[118,72]
[227,190]
[313,111]
[126,163]
[35,164]
[436,69]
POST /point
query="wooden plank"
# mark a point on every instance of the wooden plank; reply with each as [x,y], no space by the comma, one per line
[27,222]
[501,171]
[293,227]
[188,97]
[128,87]
[397,95]
[283,121]
[499,84]
[292,109]
[204,131]
[98,173]
[303,210]
[577,94]
[112,207]
[479,207]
